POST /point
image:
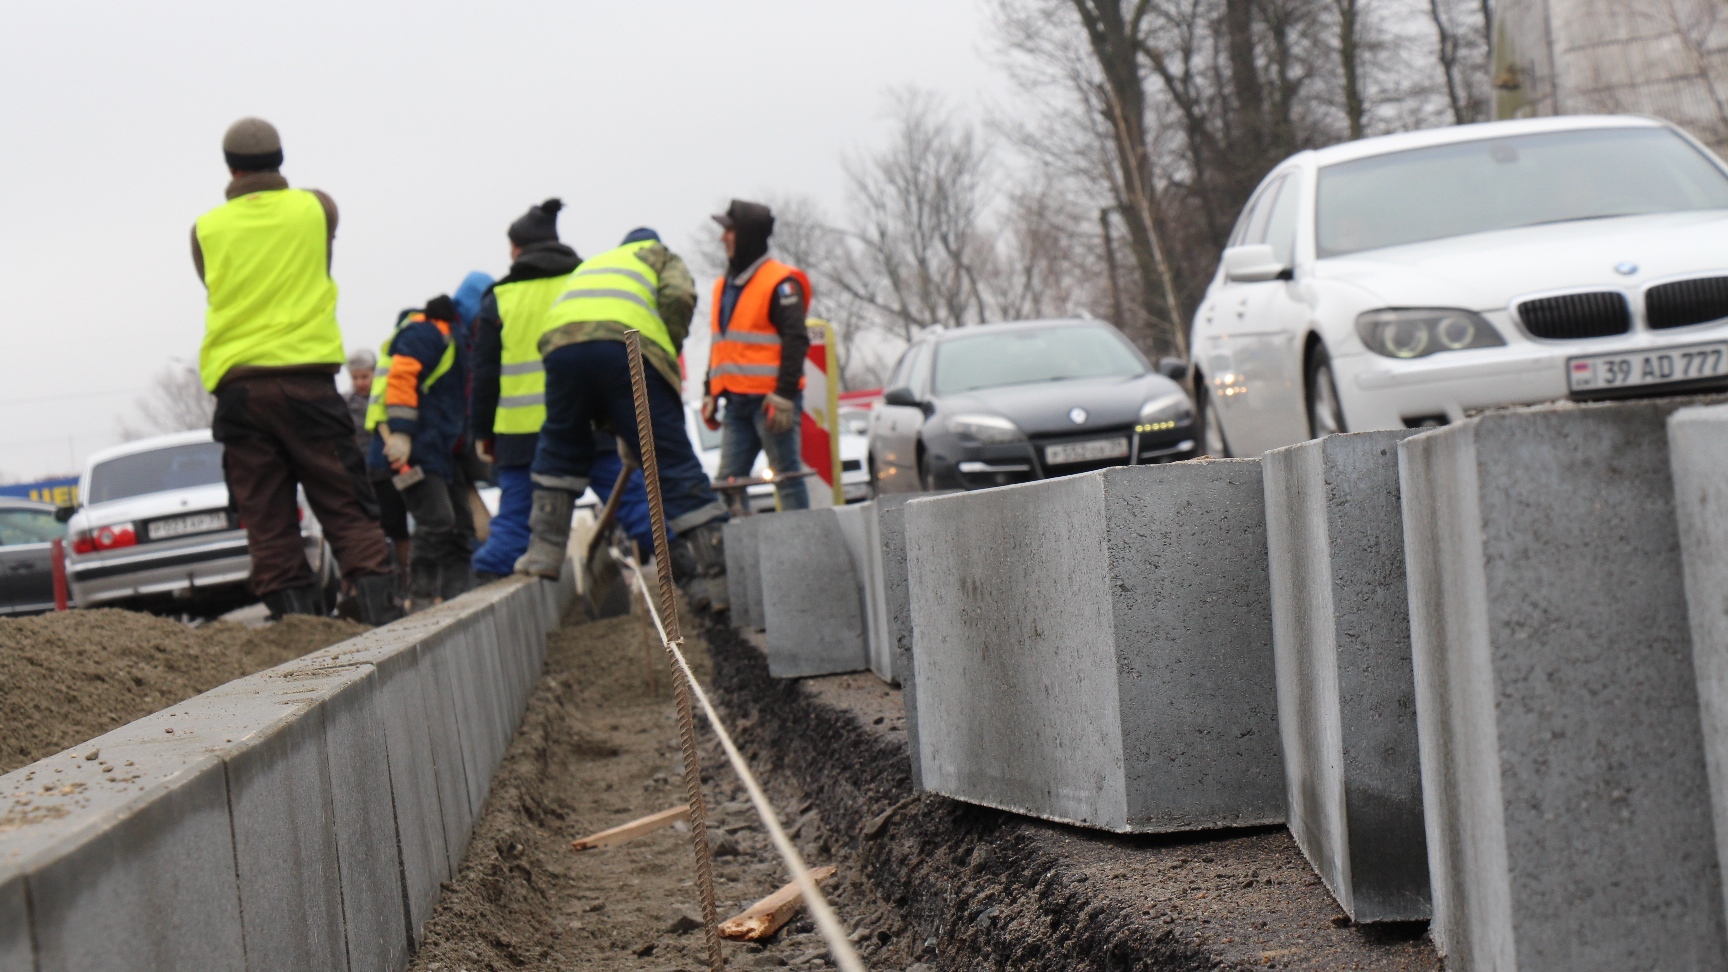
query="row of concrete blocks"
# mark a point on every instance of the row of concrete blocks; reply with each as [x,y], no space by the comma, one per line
[1488,661]
[820,596]
[300,818]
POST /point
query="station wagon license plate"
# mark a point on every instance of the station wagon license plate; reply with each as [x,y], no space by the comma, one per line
[181,526]
[1091,451]
[1657,366]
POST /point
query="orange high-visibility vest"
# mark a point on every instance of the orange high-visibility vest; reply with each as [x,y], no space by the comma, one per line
[746,359]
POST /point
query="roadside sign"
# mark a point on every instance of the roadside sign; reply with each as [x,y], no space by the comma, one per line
[820,431]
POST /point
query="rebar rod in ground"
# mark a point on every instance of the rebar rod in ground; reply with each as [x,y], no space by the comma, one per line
[680,688]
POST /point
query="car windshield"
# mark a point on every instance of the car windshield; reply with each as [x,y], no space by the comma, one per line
[990,359]
[157,471]
[1502,183]
[28,526]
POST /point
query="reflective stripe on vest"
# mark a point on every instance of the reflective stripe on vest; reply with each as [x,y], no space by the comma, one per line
[745,359]
[272,302]
[376,410]
[614,286]
[522,307]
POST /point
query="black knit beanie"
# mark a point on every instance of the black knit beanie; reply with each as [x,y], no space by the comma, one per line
[442,308]
[538,225]
[252,145]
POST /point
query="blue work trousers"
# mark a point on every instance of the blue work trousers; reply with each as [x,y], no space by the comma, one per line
[744,433]
[632,506]
[589,383]
[509,536]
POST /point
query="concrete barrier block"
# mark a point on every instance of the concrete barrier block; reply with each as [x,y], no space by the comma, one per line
[444,736]
[1097,649]
[1346,696]
[366,839]
[863,543]
[17,954]
[285,857]
[414,769]
[743,583]
[131,868]
[1698,446]
[897,610]
[811,597]
[1563,771]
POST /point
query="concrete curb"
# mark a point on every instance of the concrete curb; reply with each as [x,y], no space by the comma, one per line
[302,817]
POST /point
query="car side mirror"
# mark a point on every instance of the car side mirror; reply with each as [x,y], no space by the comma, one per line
[65,513]
[1252,264]
[900,396]
[1173,368]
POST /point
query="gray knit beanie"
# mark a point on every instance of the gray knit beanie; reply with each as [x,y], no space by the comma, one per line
[538,225]
[252,145]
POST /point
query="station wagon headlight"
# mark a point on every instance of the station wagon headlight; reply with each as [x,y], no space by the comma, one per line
[1419,332]
[985,429]
[1164,413]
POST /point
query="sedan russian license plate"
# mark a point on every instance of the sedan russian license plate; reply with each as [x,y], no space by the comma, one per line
[1090,451]
[181,526]
[1657,366]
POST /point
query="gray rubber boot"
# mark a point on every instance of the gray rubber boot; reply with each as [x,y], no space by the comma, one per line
[699,565]
[455,577]
[549,533]
[295,600]
[377,596]
[422,584]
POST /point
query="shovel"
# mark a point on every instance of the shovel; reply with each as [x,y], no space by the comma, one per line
[605,593]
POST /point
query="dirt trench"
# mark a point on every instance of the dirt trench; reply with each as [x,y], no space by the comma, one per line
[67,677]
[598,747]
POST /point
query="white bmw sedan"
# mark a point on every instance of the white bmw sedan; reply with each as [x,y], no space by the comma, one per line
[1401,281]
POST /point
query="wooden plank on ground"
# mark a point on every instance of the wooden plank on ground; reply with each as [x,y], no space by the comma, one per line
[766,917]
[632,830]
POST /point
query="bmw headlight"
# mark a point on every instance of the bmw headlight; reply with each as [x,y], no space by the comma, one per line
[1422,332]
[1164,413]
[985,429]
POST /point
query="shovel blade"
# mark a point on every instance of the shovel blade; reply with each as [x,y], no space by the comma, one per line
[608,596]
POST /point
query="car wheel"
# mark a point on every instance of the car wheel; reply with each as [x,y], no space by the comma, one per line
[1325,415]
[1213,443]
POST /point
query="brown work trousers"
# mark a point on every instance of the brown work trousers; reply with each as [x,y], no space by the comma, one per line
[281,430]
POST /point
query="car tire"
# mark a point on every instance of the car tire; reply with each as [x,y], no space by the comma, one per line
[926,474]
[1212,440]
[1325,414]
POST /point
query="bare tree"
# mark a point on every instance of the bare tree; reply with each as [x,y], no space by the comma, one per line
[1463,28]
[175,402]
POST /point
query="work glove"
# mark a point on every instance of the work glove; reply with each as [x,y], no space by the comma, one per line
[711,413]
[397,448]
[483,449]
[779,413]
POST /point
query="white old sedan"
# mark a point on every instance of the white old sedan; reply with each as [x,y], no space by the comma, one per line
[1399,282]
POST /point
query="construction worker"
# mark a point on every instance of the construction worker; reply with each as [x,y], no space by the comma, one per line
[270,355]
[756,360]
[639,286]
[418,403]
[509,395]
[361,364]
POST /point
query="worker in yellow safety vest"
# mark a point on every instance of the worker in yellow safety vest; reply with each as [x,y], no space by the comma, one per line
[270,355]
[639,286]
[508,397]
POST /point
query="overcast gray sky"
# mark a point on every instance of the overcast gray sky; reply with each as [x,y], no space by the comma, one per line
[433,124]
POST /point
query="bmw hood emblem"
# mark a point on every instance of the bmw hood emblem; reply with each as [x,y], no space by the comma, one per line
[1077,415]
[1626,269]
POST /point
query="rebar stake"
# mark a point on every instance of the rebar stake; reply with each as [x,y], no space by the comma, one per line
[680,690]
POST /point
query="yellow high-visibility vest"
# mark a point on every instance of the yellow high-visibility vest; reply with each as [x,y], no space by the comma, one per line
[614,286]
[272,302]
[522,307]
[375,407]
